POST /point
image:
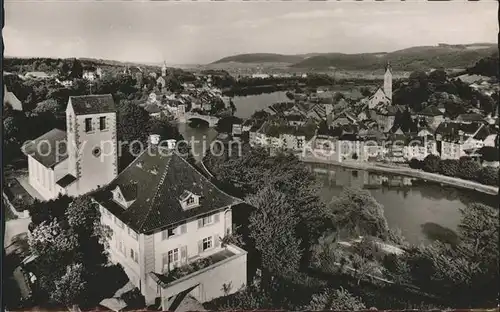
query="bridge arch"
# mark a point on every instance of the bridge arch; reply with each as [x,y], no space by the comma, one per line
[210,120]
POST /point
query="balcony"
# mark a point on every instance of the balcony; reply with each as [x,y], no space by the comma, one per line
[198,266]
[205,277]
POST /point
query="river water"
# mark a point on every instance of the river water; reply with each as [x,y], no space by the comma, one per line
[423,211]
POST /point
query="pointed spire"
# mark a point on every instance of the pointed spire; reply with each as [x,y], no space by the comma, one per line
[388,66]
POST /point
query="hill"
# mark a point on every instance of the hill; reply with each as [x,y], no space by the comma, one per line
[410,59]
[415,58]
[261,58]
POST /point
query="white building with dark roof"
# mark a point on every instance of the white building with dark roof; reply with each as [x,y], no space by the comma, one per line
[80,159]
[168,221]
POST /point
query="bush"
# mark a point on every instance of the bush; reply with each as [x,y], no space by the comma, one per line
[468,169]
[431,163]
[415,164]
[488,175]
[449,167]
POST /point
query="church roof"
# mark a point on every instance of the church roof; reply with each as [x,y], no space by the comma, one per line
[66,180]
[93,104]
[44,148]
[162,177]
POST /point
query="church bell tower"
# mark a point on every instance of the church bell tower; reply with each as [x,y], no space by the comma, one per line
[388,81]
[164,69]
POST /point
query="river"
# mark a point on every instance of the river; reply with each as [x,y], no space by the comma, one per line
[422,211]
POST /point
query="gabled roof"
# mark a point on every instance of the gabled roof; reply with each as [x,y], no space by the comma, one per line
[470,118]
[482,133]
[46,153]
[152,108]
[157,204]
[431,111]
[92,104]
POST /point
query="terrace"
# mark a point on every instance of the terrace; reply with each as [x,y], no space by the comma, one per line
[196,266]
[199,277]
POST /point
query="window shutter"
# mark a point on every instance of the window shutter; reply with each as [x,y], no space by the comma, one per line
[164,234]
[184,254]
[200,247]
[164,261]
[183,228]
[216,217]
[216,240]
[200,223]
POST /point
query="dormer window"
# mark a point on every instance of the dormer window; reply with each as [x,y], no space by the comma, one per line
[125,195]
[189,200]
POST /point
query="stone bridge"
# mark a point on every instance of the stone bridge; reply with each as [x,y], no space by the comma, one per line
[211,120]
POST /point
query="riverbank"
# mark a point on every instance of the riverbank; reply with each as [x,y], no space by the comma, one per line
[374,167]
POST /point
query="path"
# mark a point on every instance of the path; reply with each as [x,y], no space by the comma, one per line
[452,181]
[14,228]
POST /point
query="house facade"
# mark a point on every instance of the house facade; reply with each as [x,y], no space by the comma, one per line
[80,159]
[168,221]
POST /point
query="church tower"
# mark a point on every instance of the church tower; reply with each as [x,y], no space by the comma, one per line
[91,142]
[388,81]
[164,69]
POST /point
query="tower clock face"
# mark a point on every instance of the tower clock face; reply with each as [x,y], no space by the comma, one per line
[96,152]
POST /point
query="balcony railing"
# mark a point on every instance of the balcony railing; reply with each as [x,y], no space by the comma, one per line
[198,266]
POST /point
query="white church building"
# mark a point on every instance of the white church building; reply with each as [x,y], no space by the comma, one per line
[80,159]
[382,97]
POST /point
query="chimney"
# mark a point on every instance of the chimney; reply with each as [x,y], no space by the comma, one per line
[171,144]
[154,139]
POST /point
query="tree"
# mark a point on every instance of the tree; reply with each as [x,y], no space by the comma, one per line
[490,153]
[438,76]
[356,212]
[464,275]
[363,268]
[274,218]
[489,175]
[74,236]
[49,106]
[76,69]
[449,167]
[163,127]
[478,231]
[336,300]
[415,163]
[132,121]
[431,163]
[365,91]
[468,169]
[487,103]
[225,124]
[70,288]
[47,211]
[232,106]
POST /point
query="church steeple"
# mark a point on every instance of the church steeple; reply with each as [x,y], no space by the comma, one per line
[388,67]
[164,69]
[388,81]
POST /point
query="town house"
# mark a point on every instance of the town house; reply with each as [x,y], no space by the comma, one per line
[432,116]
[168,221]
[80,159]
[451,136]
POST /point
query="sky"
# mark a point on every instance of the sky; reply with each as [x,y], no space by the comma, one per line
[203,32]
